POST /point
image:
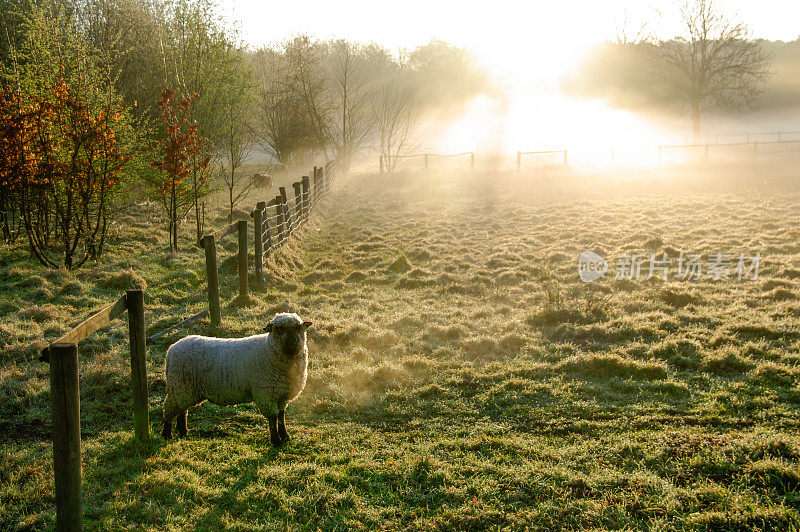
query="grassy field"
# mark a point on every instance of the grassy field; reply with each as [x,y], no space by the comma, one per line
[462,376]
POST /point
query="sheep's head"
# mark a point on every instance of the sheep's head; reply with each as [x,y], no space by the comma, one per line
[289,332]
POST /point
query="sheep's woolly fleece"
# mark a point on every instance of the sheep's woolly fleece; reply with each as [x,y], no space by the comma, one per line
[237,370]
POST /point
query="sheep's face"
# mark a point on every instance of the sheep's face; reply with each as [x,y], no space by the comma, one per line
[289,332]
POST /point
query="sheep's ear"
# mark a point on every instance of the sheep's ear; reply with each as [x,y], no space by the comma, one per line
[306,324]
[268,328]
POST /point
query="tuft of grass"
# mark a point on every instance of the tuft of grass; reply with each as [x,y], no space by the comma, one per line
[605,366]
[126,279]
[400,265]
[677,299]
[726,364]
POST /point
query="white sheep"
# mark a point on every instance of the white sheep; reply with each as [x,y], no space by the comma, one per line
[268,369]
[261,180]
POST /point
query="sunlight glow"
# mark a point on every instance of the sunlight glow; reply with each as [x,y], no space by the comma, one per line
[527,48]
[592,132]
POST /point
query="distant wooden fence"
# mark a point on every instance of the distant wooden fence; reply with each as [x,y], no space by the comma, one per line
[754,147]
[385,166]
[66,403]
[746,136]
[521,154]
[757,143]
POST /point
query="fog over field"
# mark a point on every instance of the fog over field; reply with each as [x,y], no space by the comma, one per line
[529,267]
[552,77]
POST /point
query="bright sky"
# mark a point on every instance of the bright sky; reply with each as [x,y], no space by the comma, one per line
[502,33]
[530,45]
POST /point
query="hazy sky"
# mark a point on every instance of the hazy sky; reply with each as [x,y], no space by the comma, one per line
[501,33]
[527,45]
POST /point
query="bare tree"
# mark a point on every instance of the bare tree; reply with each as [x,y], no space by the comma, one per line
[716,65]
[235,137]
[349,88]
[394,113]
[307,82]
[282,127]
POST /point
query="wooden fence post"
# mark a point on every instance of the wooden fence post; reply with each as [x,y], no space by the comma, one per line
[305,183]
[213,279]
[565,157]
[287,216]
[134,300]
[66,411]
[380,158]
[519,161]
[241,226]
[472,160]
[314,195]
[706,151]
[317,185]
[279,222]
[298,205]
[258,243]
[266,233]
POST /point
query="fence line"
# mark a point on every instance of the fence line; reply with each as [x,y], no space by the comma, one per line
[755,144]
[520,154]
[746,134]
[707,146]
[273,224]
[425,157]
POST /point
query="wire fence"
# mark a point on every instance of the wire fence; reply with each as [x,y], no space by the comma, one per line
[389,163]
[776,145]
[754,149]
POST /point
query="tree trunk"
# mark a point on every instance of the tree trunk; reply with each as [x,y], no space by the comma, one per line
[173,235]
[230,199]
[696,120]
[198,223]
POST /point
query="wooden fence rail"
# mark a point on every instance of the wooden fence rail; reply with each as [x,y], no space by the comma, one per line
[220,234]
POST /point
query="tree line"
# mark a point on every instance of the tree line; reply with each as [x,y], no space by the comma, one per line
[106,101]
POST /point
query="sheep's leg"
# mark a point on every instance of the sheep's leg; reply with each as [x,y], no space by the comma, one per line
[274,438]
[282,434]
[269,409]
[166,430]
[170,410]
[180,423]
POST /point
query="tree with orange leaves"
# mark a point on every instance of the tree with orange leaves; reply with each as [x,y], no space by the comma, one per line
[180,144]
[61,161]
